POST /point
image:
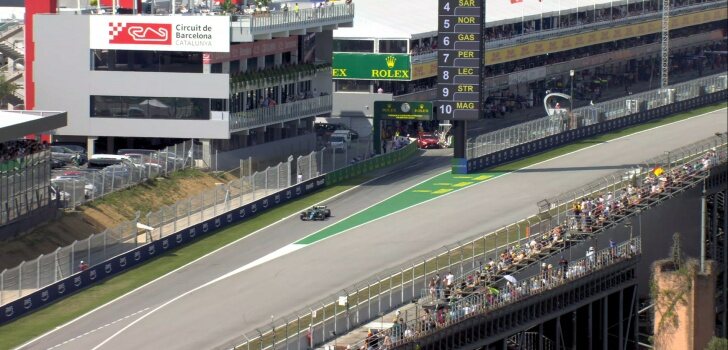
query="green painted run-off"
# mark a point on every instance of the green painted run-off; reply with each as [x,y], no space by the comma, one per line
[431,188]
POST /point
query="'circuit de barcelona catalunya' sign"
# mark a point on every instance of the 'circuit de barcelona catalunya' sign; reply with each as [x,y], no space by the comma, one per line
[155,33]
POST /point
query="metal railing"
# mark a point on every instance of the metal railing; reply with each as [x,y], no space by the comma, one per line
[280,113]
[562,31]
[486,298]
[330,159]
[46,269]
[275,20]
[560,122]
[76,187]
[24,183]
[387,290]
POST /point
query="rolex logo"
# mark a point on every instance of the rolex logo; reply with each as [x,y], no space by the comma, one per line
[391,60]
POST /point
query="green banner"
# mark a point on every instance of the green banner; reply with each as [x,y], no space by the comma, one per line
[414,110]
[371,66]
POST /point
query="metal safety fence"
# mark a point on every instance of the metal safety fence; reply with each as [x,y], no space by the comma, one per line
[24,183]
[388,290]
[495,141]
[76,187]
[424,319]
[265,21]
[46,269]
[333,158]
[29,276]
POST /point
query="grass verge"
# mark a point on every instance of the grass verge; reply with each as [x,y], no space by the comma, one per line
[39,322]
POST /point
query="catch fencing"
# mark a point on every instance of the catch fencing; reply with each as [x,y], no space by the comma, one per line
[558,123]
[24,183]
[76,187]
[387,290]
[46,269]
[29,276]
[329,159]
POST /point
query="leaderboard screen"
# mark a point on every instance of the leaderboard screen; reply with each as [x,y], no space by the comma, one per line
[459,59]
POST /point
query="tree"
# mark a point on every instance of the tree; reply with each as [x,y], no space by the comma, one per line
[228,7]
[717,344]
[6,89]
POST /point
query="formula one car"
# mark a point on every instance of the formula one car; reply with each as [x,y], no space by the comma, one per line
[317,212]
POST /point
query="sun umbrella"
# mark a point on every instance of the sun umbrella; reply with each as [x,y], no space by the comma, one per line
[511,279]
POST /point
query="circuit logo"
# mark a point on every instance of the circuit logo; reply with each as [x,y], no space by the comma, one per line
[140,33]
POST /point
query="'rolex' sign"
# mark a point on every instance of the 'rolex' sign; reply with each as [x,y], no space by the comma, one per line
[371,66]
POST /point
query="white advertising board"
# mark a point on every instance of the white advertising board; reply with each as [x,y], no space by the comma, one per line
[161,33]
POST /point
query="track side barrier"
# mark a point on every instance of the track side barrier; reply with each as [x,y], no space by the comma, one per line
[125,261]
[547,143]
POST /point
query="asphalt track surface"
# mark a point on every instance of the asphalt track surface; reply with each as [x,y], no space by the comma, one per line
[173,313]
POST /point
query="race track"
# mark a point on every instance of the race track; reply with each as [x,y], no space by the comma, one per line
[172,314]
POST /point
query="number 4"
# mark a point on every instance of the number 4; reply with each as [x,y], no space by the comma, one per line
[447,7]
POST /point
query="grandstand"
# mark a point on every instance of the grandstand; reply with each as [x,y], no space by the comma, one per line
[25,174]
[449,304]
[613,46]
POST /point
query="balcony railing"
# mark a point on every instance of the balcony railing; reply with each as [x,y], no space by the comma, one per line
[558,32]
[275,76]
[280,113]
[282,20]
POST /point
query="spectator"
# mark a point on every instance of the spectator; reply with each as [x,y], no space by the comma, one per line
[83,266]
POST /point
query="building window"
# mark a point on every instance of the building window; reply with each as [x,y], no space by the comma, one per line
[216,68]
[393,46]
[150,107]
[352,85]
[343,45]
[270,61]
[252,64]
[146,61]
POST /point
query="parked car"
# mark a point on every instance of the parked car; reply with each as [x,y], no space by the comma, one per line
[74,184]
[104,160]
[80,150]
[325,130]
[57,163]
[65,154]
[338,143]
[149,168]
[428,141]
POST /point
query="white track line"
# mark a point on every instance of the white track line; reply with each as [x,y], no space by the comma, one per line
[194,261]
[287,250]
[294,247]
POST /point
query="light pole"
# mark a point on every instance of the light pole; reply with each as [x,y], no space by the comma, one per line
[571,94]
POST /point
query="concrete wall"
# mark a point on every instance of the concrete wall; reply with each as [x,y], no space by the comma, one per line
[65,81]
[268,152]
[356,104]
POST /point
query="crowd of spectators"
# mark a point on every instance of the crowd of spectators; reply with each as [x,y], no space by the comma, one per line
[585,16]
[11,150]
[594,212]
[490,286]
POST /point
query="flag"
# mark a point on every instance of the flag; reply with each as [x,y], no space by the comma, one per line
[658,171]
[515,1]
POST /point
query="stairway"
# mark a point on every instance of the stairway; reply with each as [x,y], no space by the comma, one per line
[10,52]
[8,30]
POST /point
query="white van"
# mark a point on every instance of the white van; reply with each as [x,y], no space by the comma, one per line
[346,134]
